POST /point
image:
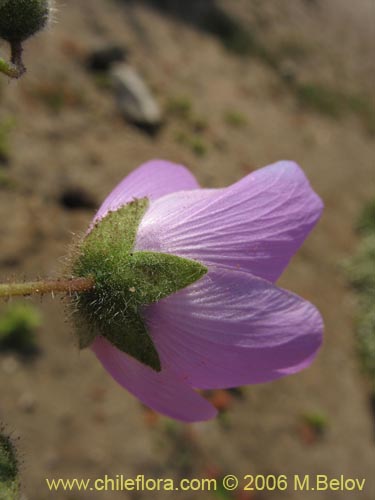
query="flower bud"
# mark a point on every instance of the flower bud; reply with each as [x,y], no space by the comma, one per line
[20,19]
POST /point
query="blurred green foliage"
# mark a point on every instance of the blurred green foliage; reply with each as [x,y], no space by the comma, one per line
[332,102]
[193,141]
[180,107]
[5,129]
[366,340]
[235,118]
[321,98]
[361,273]
[235,37]
[18,325]
[361,268]
[317,421]
[9,483]
[366,221]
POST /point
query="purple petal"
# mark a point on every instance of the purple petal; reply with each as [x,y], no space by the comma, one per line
[163,391]
[298,367]
[255,225]
[231,328]
[153,179]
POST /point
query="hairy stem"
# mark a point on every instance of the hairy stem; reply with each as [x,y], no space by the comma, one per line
[46,286]
[16,49]
[8,69]
[16,68]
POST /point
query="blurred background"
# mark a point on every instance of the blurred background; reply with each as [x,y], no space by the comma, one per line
[223,87]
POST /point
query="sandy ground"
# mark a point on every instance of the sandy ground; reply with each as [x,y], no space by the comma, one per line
[81,424]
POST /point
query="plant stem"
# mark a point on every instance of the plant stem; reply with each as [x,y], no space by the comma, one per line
[16,68]
[8,69]
[16,50]
[46,286]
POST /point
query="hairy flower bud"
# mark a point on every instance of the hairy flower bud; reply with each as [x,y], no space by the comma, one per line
[20,19]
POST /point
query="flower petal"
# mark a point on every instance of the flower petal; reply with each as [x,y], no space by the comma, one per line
[161,391]
[254,225]
[231,328]
[153,179]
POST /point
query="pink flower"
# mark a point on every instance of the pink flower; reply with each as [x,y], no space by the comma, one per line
[233,326]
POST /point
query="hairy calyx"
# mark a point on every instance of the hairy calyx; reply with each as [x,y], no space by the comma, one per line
[126,281]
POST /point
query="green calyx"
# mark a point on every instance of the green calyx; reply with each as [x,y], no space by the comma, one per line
[20,19]
[125,282]
[9,469]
